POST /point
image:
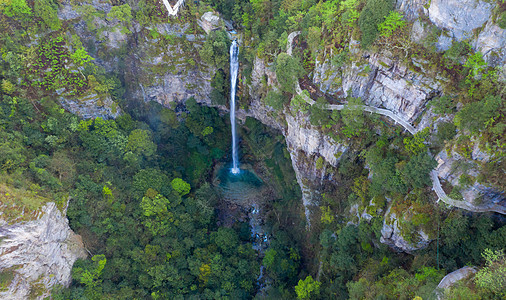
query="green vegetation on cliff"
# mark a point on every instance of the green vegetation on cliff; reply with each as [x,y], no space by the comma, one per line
[140,185]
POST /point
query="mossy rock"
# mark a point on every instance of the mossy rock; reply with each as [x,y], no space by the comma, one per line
[18,205]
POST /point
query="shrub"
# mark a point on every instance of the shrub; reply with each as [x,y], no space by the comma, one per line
[214,52]
[276,99]
[492,277]
[473,115]
[456,51]
[501,20]
[288,71]
[442,105]
[445,131]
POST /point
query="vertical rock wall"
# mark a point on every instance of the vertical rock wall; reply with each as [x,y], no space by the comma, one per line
[38,254]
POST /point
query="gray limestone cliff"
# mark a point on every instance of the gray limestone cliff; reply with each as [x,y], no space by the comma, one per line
[38,254]
[470,20]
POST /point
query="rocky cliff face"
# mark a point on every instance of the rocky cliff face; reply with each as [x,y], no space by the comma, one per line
[392,234]
[38,254]
[462,20]
[451,166]
[380,81]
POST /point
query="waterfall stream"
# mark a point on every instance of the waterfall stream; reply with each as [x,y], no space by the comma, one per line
[234,68]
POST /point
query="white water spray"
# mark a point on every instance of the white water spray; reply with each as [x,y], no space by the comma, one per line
[234,68]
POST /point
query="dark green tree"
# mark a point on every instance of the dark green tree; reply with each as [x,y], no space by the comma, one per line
[288,71]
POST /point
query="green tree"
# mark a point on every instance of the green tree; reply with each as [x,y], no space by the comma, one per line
[416,144]
[140,143]
[476,65]
[214,52]
[288,71]
[492,277]
[456,51]
[122,13]
[501,20]
[154,205]
[89,275]
[314,38]
[353,117]
[473,115]
[307,288]
[416,171]
[180,186]
[371,16]
[350,13]
[445,131]
[15,9]
[226,239]
[47,10]
[392,23]
[443,105]
[276,99]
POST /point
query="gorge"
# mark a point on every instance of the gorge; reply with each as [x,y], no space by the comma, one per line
[371,137]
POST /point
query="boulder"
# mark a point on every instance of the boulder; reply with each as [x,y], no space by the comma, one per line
[209,21]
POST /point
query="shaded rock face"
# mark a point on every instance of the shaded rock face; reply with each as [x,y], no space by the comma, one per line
[460,17]
[300,135]
[305,143]
[40,254]
[92,106]
[176,85]
[391,235]
[169,88]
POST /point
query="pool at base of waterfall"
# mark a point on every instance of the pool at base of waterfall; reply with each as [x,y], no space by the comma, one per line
[243,188]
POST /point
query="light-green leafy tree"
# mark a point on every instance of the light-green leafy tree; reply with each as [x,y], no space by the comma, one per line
[47,11]
[307,288]
[90,277]
[492,277]
[416,144]
[140,143]
[122,13]
[392,23]
[15,8]
[350,14]
[180,186]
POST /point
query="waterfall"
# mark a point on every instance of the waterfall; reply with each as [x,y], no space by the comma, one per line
[234,68]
